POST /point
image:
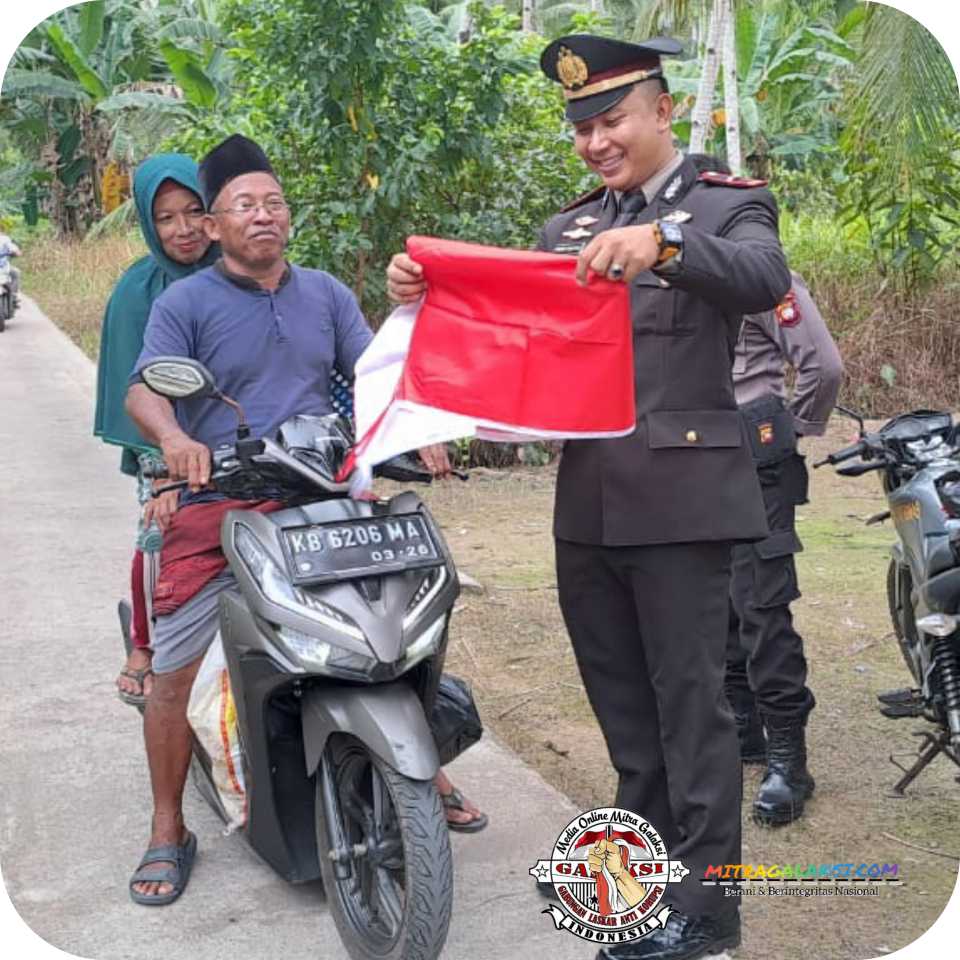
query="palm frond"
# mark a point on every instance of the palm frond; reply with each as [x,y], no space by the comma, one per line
[905,92]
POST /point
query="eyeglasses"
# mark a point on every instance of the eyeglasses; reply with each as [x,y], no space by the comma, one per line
[245,208]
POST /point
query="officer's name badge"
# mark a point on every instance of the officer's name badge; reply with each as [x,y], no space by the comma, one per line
[568,248]
[585,221]
[677,216]
[577,234]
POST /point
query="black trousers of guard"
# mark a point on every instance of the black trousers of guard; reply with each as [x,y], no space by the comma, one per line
[648,626]
[764,651]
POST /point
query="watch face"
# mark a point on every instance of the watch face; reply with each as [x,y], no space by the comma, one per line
[671,232]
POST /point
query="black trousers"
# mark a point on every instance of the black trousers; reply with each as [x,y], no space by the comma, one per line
[648,626]
[764,651]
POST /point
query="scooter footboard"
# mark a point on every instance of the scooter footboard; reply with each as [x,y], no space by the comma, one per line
[387,718]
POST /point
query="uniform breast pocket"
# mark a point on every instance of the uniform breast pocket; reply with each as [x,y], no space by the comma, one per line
[652,305]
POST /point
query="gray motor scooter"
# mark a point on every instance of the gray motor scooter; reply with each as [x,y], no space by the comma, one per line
[334,642]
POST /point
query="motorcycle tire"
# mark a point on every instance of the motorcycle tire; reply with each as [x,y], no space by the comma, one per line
[396,899]
[901,614]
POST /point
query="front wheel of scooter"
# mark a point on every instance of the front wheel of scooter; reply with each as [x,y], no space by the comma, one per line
[385,856]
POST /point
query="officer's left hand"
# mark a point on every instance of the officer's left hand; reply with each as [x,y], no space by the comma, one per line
[633,249]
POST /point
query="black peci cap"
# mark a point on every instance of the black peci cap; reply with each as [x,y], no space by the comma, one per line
[234,157]
[598,72]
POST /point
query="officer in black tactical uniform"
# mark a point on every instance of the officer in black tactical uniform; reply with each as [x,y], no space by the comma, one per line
[766,679]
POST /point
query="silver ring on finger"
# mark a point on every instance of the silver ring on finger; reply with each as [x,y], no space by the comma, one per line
[615,272]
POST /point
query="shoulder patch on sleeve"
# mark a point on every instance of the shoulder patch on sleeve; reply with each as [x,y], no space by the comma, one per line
[788,311]
[594,194]
[728,180]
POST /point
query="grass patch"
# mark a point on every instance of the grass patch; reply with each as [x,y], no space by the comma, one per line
[72,281]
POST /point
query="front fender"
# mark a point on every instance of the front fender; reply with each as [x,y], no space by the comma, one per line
[387,718]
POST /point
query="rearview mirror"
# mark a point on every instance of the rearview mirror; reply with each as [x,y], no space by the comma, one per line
[178,378]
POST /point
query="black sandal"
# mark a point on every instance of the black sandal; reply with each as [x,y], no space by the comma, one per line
[181,856]
[454,801]
[138,676]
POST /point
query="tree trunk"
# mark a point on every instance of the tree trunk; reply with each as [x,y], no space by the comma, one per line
[529,9]
[731,88]
[700,120]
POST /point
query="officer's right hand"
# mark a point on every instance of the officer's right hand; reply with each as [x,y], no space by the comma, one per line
[405,283]
[186,460]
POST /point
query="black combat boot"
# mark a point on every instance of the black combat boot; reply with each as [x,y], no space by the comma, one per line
[753,743]
[787,784]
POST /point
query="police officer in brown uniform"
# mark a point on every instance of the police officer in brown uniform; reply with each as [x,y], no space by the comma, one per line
[644,524]
[766,677]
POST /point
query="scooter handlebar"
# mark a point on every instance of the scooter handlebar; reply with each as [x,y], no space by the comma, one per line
[847,453]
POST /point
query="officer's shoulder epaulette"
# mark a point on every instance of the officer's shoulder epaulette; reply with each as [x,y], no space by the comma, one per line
[594,194]
[728,180]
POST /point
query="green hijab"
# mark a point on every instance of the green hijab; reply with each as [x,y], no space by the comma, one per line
[125,319]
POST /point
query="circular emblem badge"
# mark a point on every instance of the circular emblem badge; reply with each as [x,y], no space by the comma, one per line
[610,869]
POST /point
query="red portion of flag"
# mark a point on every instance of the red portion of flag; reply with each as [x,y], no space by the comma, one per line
[509,337]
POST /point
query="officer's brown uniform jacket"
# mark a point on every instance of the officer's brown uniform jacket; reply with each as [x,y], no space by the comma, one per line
[685,474]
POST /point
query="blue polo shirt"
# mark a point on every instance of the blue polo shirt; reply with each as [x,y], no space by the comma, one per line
[271,351]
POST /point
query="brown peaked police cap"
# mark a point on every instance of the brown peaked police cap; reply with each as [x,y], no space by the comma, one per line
[598,72]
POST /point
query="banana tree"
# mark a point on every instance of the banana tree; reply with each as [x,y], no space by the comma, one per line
[93,82]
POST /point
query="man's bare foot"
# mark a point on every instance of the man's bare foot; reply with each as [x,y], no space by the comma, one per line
[136,678]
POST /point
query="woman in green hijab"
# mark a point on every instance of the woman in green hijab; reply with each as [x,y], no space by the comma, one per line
[167,197]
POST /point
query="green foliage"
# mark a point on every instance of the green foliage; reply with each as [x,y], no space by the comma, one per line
[387,127]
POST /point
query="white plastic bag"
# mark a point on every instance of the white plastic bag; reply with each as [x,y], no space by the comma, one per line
[212,714]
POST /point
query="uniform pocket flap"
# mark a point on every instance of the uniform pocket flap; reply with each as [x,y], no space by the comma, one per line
[693,428]
[780,544]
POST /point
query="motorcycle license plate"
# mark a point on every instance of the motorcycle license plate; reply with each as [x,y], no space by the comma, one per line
[359,548]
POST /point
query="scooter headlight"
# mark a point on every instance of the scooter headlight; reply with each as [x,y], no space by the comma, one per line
[426,644]
[321,657]
[279,590]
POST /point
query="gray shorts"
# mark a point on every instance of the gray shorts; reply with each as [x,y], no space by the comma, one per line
[181,637]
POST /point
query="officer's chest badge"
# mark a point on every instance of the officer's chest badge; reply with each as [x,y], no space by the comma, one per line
[674,187]
[788,312]
[585,221]
[766,432]
[578,234]
[677,216]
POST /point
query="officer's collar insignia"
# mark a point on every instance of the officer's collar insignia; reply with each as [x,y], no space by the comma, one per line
[585,221]
[577,234]
[674,187]
[728,180]
[788,312]
[677,216]
[571,69]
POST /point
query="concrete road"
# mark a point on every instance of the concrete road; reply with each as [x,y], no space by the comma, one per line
[74,800]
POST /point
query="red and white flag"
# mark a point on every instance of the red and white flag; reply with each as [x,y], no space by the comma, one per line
[505,346]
